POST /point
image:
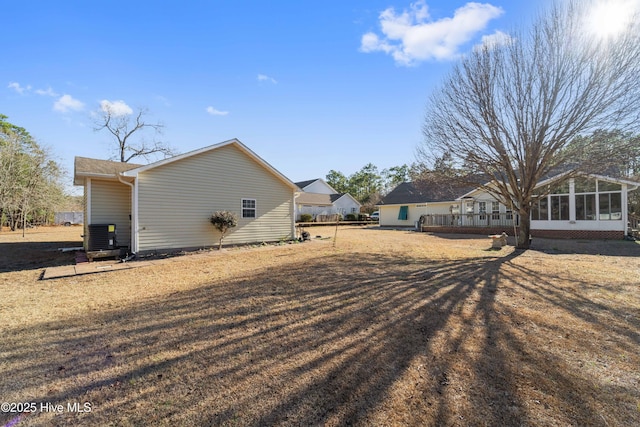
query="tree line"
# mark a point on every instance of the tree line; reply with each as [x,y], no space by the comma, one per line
[369,184]
[616,151]
[31,188]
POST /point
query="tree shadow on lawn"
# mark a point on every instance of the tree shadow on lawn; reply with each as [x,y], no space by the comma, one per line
[19,256]
[337,341]
[604,247]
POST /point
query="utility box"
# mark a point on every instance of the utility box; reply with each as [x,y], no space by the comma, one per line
[102,237]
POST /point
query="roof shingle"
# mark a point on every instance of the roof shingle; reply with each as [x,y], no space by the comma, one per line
[85,166]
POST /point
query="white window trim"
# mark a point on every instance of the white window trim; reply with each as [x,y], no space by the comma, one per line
[243,208]
[482,210]
[495,210]
[572,203]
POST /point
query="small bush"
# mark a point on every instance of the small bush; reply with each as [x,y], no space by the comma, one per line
[306,217]
[223,221]
[350,217]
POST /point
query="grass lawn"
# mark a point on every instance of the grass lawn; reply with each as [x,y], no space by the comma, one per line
[386,327]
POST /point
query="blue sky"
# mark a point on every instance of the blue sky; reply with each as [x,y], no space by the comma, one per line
[309,86]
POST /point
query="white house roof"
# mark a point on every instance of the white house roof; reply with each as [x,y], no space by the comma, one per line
[633,184]
[304,184]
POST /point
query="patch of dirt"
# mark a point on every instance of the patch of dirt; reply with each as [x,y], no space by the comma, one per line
[384,327]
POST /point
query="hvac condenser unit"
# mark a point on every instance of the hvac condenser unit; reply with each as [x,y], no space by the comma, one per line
[102,237]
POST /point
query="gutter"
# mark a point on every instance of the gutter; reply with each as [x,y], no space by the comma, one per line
[134,214]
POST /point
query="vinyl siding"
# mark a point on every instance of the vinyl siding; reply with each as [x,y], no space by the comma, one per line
[314,210]
[177,199]
[318,187]
[389,215]
[111,204]
[346,205]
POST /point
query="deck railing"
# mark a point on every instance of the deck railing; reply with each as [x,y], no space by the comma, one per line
[477,220]
[634,225]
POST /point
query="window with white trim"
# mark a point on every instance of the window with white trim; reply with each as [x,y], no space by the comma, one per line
[559,207]
[540,209]
[585,198]
[482,210]
[508,213]
[610,205]
[495,211]
[249,208]
[609,200]
[469,207]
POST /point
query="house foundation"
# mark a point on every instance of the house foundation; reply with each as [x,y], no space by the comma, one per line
[549,234]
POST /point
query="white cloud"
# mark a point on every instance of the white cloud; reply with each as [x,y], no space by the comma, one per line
[115,108]
[265,78]
[22,89]
[18,88]
[46,92]
[411,36]
[67,103]
[215,112]
[496,39]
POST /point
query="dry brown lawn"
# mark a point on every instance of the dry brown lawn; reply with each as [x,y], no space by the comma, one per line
[386,328]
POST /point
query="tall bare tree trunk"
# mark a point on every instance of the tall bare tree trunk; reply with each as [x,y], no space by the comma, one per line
[524,231]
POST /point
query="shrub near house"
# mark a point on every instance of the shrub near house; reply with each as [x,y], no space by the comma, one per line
[306,218]
[223,221]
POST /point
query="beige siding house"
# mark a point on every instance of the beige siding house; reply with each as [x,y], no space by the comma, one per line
[167,204]
[107,200]
[406,204]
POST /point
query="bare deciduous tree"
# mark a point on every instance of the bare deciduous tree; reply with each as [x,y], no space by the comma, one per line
[30,181]
[511,110]
[129,132]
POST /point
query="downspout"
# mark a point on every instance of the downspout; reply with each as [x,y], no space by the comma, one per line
[87,214]
[134,215]
[293,216]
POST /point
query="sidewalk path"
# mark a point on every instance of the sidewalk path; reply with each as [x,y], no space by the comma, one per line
[92,267]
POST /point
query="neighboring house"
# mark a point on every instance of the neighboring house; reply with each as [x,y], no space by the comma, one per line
[588,206]
[320,199]
[317,185]
[167,204]
[405,204]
